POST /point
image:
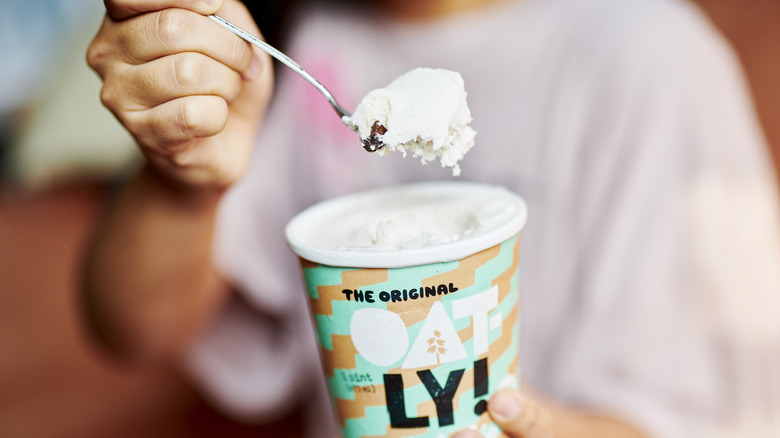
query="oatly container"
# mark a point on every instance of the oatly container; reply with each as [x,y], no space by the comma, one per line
[414,294]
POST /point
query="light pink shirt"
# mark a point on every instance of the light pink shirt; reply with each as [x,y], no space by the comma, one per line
[651,258]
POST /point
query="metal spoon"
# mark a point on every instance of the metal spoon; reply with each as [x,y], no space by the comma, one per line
[284,59]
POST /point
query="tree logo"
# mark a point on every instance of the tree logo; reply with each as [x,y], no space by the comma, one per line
[436,345]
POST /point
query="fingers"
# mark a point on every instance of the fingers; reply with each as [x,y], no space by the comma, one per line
[123,9]
[155,35]
[520,417]
[154,65]
[163,128]
[202,164]
[190,92]
[184,74]
[517,416]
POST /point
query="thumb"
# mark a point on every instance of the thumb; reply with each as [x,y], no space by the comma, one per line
[520,416]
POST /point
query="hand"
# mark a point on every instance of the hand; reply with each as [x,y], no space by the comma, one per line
[191,93]
[518,416]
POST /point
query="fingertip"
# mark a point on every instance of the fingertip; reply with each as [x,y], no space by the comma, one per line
[505,405]
[213,5]
[255,67]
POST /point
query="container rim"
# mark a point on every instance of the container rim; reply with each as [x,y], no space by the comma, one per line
[446,252]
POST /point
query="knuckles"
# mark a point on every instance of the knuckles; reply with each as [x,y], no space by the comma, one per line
[189,71]
[100,51]
[109,97]
[198,117]
[172,26]
[97,54]
[188,118]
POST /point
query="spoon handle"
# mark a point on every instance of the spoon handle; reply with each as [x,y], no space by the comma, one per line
[284,59]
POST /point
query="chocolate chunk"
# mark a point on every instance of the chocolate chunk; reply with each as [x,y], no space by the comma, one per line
[373,143]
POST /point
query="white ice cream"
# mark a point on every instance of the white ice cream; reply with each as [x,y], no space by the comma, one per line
[424,112]
[411,216]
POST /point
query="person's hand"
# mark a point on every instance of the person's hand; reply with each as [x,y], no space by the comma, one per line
[518,415]
[191,93]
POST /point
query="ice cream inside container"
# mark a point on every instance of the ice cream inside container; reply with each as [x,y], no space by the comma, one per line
[407,225]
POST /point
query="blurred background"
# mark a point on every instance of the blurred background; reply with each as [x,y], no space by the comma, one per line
[61,157]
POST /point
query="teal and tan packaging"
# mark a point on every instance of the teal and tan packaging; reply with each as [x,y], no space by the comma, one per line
[414,340]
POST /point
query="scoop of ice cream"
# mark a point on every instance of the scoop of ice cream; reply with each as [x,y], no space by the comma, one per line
[423,112]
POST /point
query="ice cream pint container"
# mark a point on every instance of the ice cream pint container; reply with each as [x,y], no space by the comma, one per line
[414,291]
